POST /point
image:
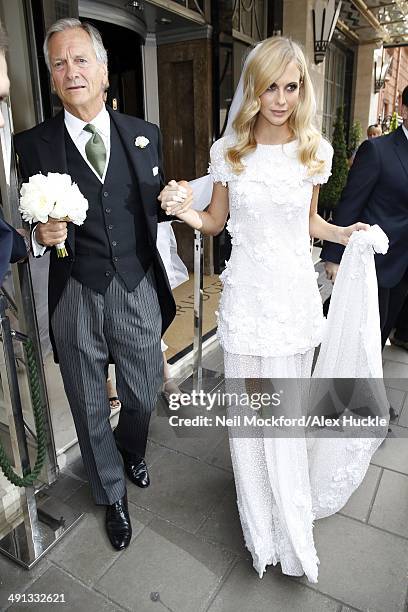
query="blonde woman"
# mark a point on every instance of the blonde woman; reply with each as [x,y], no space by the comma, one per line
[266,173]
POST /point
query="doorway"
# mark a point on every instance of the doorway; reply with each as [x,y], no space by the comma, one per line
[124,49]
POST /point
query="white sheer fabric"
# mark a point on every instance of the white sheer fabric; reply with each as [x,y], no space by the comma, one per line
[271,475]
[167,246]
[284,484]
[352,343]
[202,187]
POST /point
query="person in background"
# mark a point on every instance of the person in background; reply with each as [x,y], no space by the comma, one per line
[400,335]
[374,131]
[377,193]
[14,243]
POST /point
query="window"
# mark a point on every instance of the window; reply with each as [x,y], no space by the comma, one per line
[334,87]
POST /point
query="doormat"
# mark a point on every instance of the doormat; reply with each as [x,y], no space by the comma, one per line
[180,334]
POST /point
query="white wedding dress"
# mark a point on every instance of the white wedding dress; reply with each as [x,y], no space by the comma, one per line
[270,320]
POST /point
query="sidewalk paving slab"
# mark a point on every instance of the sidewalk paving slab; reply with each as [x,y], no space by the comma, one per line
[16,579]
[396,353]
[403,418]
[183,490]
[182,568]
[360,565]
[188,553]
[390,509]
[220,455]
[244,591]
[393,452]
[396,397]
[396,374]
[359,504]
[223,525]
[196,442]
[88,554]
[77,597]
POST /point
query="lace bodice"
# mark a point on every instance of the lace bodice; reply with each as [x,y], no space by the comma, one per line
[270,304]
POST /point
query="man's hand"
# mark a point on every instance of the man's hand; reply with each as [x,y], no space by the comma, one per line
[176,198]
[51,233]
[331,270]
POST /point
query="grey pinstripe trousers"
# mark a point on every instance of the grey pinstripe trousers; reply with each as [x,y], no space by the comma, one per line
[88,327]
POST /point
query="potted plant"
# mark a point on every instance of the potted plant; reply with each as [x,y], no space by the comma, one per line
[355,136]
[330,192]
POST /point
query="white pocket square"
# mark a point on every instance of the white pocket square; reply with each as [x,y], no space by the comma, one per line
[155,171]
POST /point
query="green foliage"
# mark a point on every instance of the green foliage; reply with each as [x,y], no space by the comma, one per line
[330,192]
[394,122]
[355,136]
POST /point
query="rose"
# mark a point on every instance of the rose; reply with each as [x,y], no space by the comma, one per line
[55,196]
[142,142]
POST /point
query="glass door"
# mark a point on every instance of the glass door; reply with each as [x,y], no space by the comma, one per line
[17,363]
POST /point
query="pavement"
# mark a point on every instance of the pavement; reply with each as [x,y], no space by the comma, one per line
[187,552]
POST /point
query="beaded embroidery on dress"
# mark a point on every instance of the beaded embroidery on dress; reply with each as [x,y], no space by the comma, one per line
[269,227]
[270,320]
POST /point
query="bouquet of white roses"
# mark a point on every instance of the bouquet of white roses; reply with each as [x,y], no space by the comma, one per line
[55,196]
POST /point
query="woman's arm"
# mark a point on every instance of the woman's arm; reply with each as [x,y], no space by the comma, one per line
[212,221]
[319,228]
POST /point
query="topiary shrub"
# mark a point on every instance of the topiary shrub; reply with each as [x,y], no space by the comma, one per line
[355,136]
[330,192]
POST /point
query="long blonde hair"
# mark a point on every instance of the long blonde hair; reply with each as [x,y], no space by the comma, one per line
[269,61]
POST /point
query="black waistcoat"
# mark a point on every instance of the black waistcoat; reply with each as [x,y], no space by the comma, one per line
[113,239]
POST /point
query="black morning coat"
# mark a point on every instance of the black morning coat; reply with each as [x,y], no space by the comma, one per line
[42,149]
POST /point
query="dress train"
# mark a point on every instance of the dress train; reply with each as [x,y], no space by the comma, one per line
[284,484]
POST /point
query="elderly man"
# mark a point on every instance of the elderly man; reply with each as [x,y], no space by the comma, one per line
[110,298]
[377,193]
[13,246]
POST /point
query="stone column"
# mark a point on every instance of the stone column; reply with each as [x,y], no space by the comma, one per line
[365,100]
[22,100]
[298,25]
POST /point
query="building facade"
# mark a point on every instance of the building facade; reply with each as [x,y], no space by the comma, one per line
[177,63]
[396,79]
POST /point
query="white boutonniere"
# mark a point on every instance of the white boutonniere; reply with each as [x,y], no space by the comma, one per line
[142,142]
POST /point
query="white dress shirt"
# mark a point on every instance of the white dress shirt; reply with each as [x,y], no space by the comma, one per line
[75,128]
[405,130]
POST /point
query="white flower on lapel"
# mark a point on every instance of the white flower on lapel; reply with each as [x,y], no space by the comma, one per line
[155,171]
[142,142]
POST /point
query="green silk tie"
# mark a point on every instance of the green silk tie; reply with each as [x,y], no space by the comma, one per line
[95,150]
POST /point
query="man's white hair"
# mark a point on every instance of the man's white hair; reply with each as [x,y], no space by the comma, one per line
[65,24]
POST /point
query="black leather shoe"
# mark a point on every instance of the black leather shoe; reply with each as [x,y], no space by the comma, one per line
[118,525]
[393,414]
[135,466]
[136,469]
